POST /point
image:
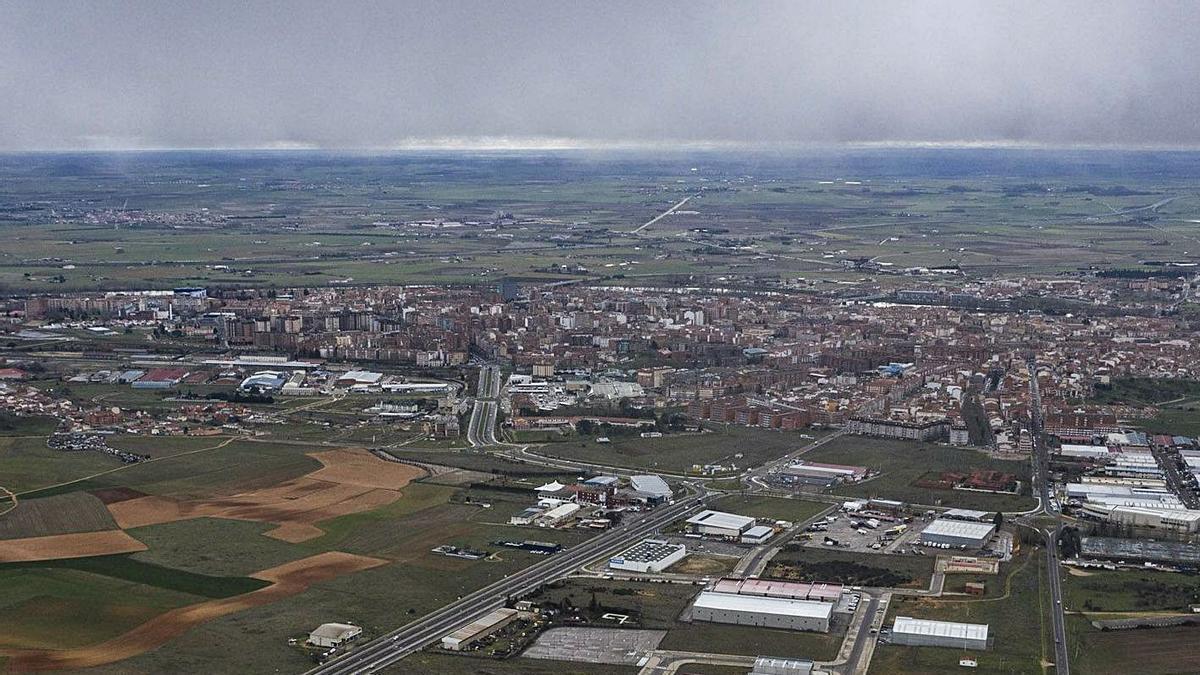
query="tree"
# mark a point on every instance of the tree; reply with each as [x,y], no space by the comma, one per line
[998,521]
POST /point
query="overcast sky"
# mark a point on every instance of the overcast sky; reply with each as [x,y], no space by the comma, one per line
[205,73]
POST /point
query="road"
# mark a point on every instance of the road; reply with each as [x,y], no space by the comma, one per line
[394,646]
[1050,535]
[481,429]
[664,214]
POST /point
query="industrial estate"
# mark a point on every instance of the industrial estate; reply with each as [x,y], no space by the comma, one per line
[548,414]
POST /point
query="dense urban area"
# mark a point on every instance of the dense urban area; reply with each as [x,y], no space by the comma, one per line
[710,415]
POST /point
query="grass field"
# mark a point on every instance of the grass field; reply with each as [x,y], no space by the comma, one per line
[776,508]
[1130,591]
[1156,651]
[27,464]
[214,546]
[677,453]
[903,462]
[60,514]
[1015,621]
[126,568]
[59,607]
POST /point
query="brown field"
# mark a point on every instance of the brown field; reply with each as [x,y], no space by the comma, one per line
[117,494]
[79,545]
[287,580]
[351,481]
[1152,651]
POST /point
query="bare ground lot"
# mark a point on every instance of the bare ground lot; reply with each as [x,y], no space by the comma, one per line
[79,545]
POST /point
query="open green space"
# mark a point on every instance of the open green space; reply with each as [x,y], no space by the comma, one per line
[743,447]
[60,514]
[774,508]
[1146,391]
[1129,591]
[721,638]
[238,466]
[1151,651]
[1178,420]
[214,546]
[902,463]
[474,460]
[53,607]
[809,563]
[127,568]
[15,425]
[26,464]
[1015,620]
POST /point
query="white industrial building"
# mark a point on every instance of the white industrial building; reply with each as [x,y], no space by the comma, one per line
[464,637]
[652,555]
[927,633]
[759,534]
[333,634]
[557,515]
[720,524]
[1181,520]
[957,533]
[747,610]
[651,485]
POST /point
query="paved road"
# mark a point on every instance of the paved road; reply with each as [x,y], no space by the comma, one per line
[1041,479]
[662,215]
[394,646]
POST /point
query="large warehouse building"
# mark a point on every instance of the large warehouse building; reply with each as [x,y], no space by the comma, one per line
[957,533]
[720,524]
[746,610]
[652,555]
[480,628]
[928,633]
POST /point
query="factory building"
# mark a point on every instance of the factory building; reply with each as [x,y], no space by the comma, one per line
[720,524]
[652,555]
[746,610]
[957,533]
[928,633]
[1186,521]
[467,635]
[759,534]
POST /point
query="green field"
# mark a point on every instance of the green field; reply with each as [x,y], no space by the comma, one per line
[902,463]
[677,453]
[1130,591]
[1015,620]
[27,464]
[1157,651]
[751,641]
[127,568]
[775,508]
[60,514]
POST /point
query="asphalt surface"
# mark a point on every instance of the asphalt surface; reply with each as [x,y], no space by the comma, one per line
[1041,478]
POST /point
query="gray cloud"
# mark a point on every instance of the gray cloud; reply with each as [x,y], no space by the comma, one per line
[170,73]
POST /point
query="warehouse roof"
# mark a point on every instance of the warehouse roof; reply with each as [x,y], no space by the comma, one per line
[651,484]
[763,605]
[959,528]
[947,629]
[966,514]
[650,550]
[730,521]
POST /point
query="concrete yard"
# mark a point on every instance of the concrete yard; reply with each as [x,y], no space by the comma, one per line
[595,645]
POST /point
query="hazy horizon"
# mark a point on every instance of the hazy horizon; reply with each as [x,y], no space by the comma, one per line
[545,76]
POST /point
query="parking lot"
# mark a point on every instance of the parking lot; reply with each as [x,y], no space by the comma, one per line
[864,534]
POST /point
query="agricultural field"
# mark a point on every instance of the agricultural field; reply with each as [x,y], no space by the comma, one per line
[677,453]
[903,463]
[240,532]
[1015,619]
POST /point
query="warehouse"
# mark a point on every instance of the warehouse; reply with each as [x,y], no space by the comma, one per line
[720,524]
[1186,521]
[652,486]
[957,533]
[467,635]
[652,555]
[927,633]
[557,515]
[745,610]
[333,634]
[759,534]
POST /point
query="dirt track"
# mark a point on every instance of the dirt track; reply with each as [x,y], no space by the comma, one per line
[351,481]
[78,545]
[287,579]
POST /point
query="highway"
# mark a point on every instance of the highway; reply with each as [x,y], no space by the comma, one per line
[481,429]
[1041,479]
[394,646]
[662,215]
